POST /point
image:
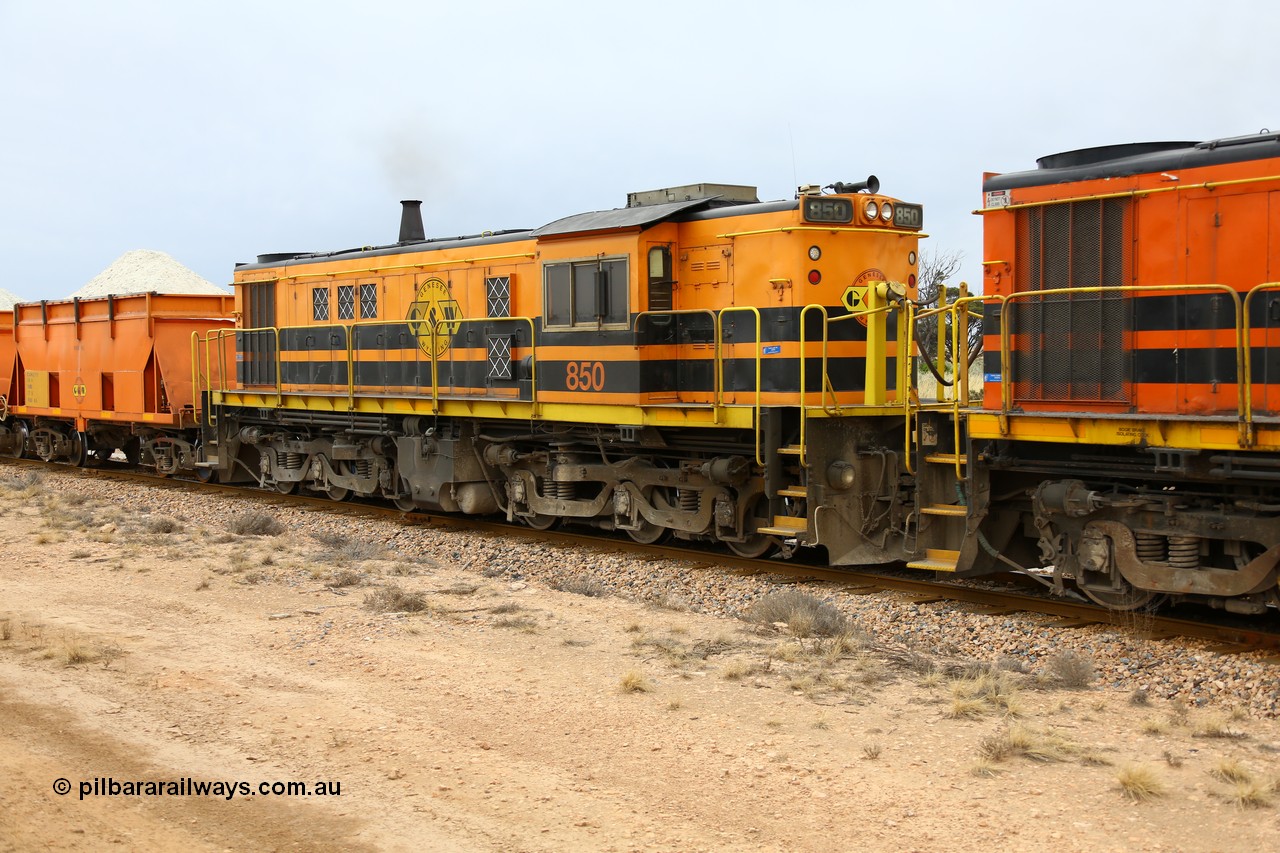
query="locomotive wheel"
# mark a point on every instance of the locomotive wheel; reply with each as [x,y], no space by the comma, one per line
[647,533]
[1125,600]
[755,545]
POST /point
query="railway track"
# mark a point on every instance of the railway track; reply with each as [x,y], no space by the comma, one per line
[986,597]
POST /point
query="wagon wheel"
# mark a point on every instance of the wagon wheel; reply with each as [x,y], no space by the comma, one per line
[539,522]
[337,493]
[19,447]
[133,451]
[286,487]
[79,452]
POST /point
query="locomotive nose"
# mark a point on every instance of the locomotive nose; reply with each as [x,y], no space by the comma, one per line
[411,230]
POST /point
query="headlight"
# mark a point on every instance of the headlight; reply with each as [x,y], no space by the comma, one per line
[886,211]
[872,209]
[814,253]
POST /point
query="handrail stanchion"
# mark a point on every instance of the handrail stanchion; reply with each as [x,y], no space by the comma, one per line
[1245,350]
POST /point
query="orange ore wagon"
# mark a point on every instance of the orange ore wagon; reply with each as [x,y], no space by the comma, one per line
[96,376]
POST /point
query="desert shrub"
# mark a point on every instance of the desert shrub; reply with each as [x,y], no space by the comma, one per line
[344,550]
[393,599]
[163,524]
[804,614]
[346,577]
[255,523]
[581,586]
[1071,670]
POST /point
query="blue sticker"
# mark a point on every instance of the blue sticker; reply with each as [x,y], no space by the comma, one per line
[991,377]
[773,349]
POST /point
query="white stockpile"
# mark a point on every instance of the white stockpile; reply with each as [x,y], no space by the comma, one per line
[7,299]
[145,271]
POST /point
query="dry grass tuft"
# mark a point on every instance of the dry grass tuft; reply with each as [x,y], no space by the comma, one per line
[163,524]
[1171,759]
[804,614]
[1250,794]
[739,670]
[1154,726]
[635,682]
[1022,742]
[393,599]
[1072,670]
[1217,727]
[871,751]
[345,577]
[1139,784]
[506,607]
[984,692]
[1231,770]
[71,651]
[255,523]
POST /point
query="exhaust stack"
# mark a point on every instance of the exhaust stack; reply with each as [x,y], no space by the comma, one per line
[411,230]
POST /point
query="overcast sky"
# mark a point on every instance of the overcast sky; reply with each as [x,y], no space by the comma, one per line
[216,131]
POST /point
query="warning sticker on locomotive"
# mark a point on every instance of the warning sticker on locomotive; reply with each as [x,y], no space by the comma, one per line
[998,198]
[433,317]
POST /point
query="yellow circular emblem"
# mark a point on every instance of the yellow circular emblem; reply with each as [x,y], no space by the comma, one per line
[433,317]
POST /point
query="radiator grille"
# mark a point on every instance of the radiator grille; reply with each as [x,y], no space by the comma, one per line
[1071,346]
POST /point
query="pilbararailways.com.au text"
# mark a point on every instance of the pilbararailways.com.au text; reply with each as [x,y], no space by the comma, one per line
[188,787]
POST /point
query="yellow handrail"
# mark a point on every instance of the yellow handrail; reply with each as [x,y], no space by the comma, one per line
[460,322]
[1247,378]
[375,270]
[1006,345]
[827,321]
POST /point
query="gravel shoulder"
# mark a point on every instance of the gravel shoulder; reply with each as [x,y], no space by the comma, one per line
[524,696]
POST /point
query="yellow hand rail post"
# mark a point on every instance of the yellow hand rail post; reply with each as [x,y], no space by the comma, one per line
[906,379]
[939,358]
[1246,345]
[960,344]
